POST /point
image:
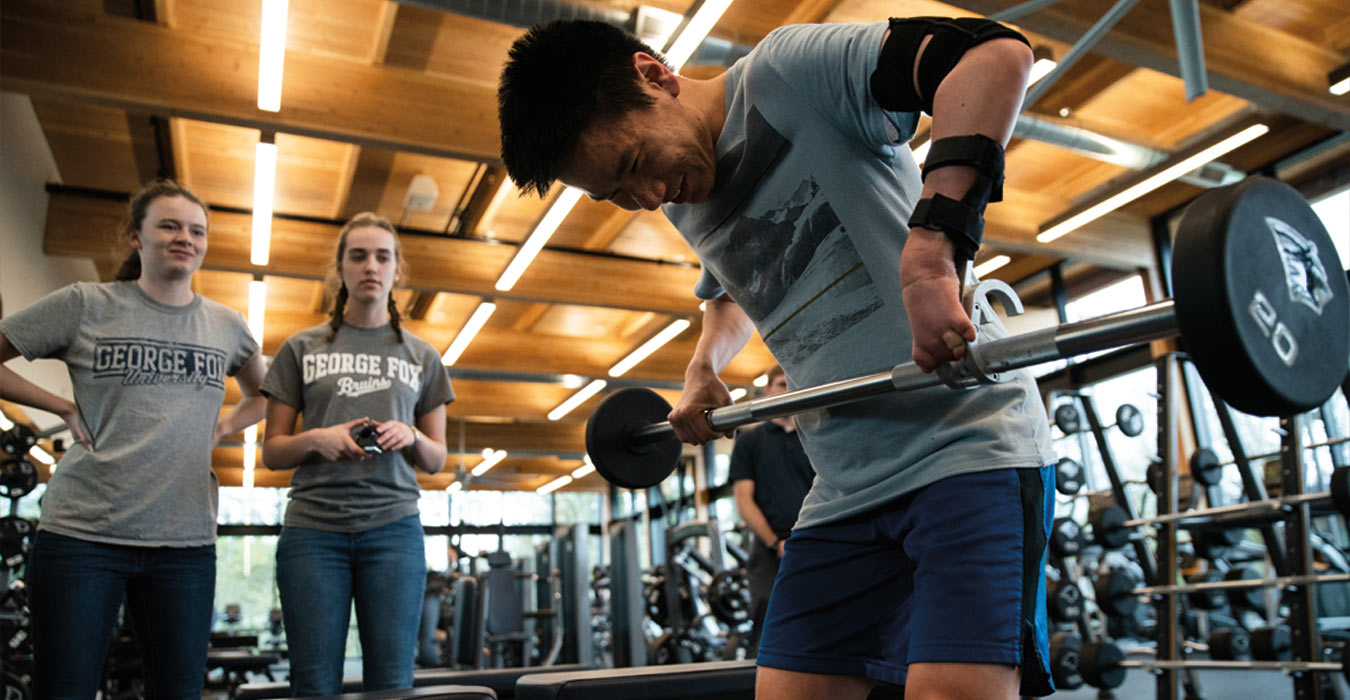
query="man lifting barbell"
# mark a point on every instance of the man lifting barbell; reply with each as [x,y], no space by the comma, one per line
[919,554]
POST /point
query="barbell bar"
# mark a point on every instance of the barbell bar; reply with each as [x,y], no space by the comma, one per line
[1208,470]
[1103,665]
[1277,582]
[1248,322]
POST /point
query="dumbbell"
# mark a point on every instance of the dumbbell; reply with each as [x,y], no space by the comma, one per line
[1064,650]
[1129,419]
[1066,537]
[1115,593]
[1064,600]
[1272,643]
[1230,644]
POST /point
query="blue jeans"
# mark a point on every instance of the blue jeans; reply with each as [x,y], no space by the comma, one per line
[320,572]
[75,588]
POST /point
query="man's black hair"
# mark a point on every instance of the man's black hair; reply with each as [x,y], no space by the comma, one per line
[559,78]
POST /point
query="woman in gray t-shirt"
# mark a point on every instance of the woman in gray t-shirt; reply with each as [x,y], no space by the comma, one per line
[352,529]
[130,510]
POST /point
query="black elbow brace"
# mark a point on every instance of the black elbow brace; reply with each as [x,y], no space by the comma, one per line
[962,221]
[893,80]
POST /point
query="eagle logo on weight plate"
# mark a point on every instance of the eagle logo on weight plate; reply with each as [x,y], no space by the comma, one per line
[1303,270]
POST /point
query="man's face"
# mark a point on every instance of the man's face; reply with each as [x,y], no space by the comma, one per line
[777,385]
[645,158]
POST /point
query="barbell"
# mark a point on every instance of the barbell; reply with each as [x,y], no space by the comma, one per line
[1256,305]
[1103,665]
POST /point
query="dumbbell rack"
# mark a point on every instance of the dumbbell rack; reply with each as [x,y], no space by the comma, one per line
[1291,557]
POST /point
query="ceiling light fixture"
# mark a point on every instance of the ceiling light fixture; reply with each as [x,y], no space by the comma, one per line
[665,336]
[577,399]
[762,380]
[538,237]
[257,304]
[695,32]
[1338,81]
[991,264]
[1095,211]
[490,460]
[554,485]
[264,181]
[271,54]
[467,333]
[738,393]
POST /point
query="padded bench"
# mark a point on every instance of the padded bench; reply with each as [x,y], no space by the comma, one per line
[501,680]
[718,680]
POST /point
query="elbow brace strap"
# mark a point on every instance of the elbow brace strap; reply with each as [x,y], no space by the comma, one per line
[893,80]
[962,221]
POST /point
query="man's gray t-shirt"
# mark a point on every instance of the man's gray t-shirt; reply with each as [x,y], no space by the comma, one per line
[803,230]
[363,372]
[149,380]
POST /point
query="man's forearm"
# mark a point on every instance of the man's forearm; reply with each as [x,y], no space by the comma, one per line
[726,329]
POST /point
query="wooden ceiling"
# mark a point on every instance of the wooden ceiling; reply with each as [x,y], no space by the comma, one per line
[376,92]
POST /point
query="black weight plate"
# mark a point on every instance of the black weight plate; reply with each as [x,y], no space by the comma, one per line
[1273,643]
[1205,468]
[1113,593]
[1108,526]
[18,478]
[1066,537]
[729,597]
[1068,476]
[1099,662]
[1261,304]
[1064,650]
[17,440]
[15,534]
[1130,420]
[1249,598]
[1067,419]
[1230,644]
[1340,491]
[1209,599]
[1064,600]
[620,460]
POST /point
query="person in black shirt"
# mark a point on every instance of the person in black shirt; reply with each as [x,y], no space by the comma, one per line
[770,474]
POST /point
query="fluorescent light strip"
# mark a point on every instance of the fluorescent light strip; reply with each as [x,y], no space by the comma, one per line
[488,462]
[665,336]
[738,393]
[538,238]
[1040,69]
[271,54]
[41,455]
[257,304]
[455,486]
[554,485]
[762,380]
[577,399]
[264,180]
[467,333]
[1136,191]
[5,422]
[250,454]
[573,381]
[583,470]
[991,264]
[1340,87]
[695,32]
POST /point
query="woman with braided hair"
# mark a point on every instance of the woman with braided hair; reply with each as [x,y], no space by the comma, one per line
[373,397]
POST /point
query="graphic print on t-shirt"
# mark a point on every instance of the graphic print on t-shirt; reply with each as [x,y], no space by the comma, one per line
[146,361]
[373,372]
[777,262]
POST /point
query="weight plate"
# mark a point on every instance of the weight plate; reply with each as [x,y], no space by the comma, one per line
[1130,420]
[17,440]
[1065,648]
[1113,593]
[1068,476]
[1108,526]
[1099,662]
[1273,643]
[1210,599]
[1261,304]
[15,534]
[621,460]
[1067,419]
[729,597]
[1066,537]
[1205,467]
[1250,598]
[1064,600]
[18,478]
[1230,644]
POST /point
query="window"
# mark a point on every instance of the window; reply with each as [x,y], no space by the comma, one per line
[1334,211]
[251,506]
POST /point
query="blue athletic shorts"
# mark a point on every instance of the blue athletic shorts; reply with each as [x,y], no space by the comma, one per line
[953,572]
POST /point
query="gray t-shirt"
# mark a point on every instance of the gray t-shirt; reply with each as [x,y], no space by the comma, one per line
[149,380]
[804,231]
[363,372]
